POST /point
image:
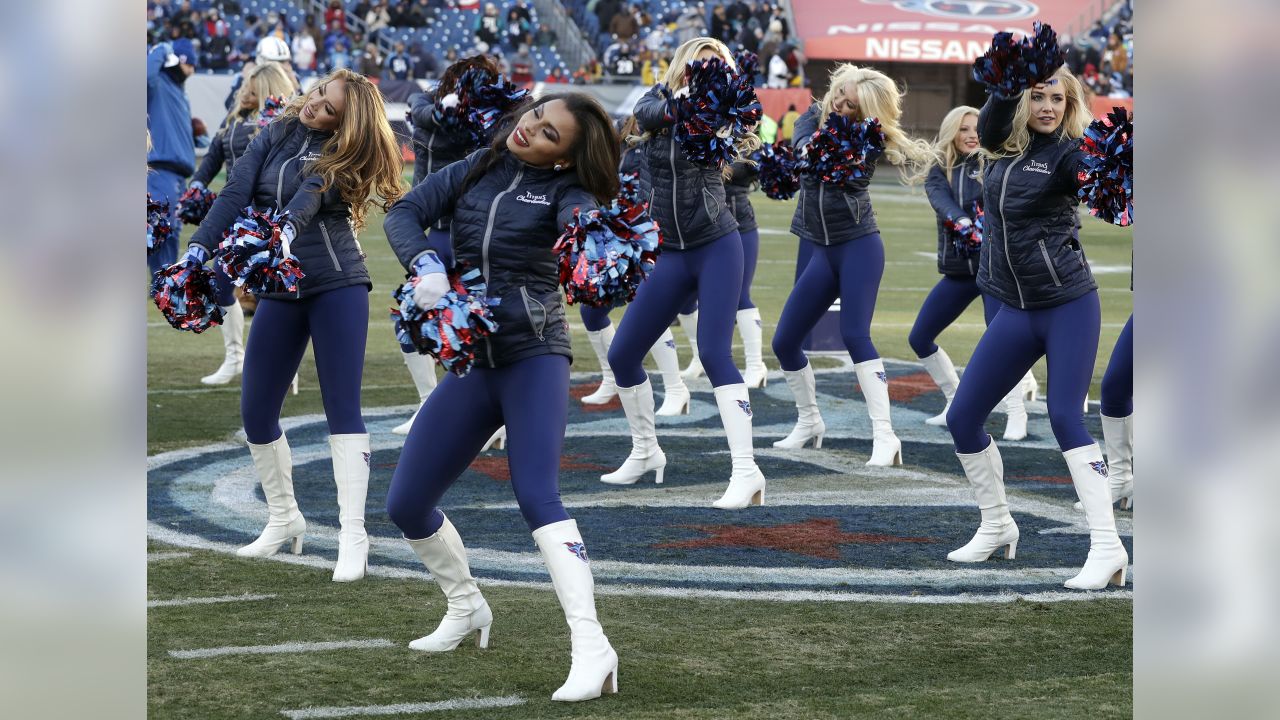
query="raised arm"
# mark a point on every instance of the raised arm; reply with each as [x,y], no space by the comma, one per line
[806,126]
[575,198]
[651,110]
[995,122]
[941,195]
[433,198]
[213,160]
[236,194]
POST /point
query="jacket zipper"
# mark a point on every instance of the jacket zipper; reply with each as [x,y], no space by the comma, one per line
[1004,228]
[826,237]
[484,246]
[1053,273]
[231,142]
[280,179]
[324,232]
[430,155]
[962,172]
[675,209]
[537,330]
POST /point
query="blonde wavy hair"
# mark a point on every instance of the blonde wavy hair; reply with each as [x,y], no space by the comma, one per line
[878,97]
[944,150]
[1074,121]
[266,80]
[362,159]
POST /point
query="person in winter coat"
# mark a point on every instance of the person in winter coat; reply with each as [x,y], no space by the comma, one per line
[953,183]
[508,203]
[702,256]
[324,161]
[232,140]
[172,156]
[1034,265]
[837,225]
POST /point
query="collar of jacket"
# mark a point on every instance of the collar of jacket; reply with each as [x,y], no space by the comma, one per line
[511,162]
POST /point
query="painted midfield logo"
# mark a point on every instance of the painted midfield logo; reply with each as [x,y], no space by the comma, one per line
[746,406]
[990,10]
[1099,467]
[579,549]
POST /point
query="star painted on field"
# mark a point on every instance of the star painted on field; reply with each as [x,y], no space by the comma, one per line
[496,466]
[819,538]
[905,388]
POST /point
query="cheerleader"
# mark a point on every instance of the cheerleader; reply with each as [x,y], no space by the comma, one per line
[1035,266]
[847,260]
[1117,417]
[323,161]
[508,204]
[702,257]
[436,145]
[953,183]
[231,141]
[676,398]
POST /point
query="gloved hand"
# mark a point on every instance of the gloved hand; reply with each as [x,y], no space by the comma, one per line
[449,101]
[963,222]
[196,184]
[432,282]
[683,92]
[286,235]
[195,252]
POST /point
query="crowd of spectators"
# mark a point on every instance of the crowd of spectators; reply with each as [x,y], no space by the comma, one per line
[1103,57]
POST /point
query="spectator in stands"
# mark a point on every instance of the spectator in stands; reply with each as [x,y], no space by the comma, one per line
[557,75]
[544,37]
[522,8]
[656,39]
[522,67]
[720,26]
[335,14]
[425,64]
[217,49]
[690,25]
[277,26]
[214,25]
[450,56]
[787,127]
[624,24]
[416,14]
[518,30]
[340,56]
[1099,32]
[652,68]
[1118,54]
[370,64]
[750,37]
[304,51]
[624,62]
[378,18]
[488,30]
[361,9]
[779,74]
[399,65]
[605,10]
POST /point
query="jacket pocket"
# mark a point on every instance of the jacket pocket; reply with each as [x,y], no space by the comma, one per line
[328,244]
[1044,252]
[536,312]
[712,206]
[855,207]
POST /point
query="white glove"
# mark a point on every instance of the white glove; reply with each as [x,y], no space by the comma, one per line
[449,101]
[963,222]
[429,289]
[196,184]
[683,92]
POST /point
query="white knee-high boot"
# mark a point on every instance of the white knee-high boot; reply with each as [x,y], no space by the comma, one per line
[943,372]
[1117,433]
[351,474]
[466,611]
[985,471]
[637,402]
[423,371]
[756,375]
[886,448]
[746,484]
[232,346]
[600,342]
[1108,561]
[1015,423]
[594,668]
[809,424]
[1031,387]
[675,395]
[689,323]
[274,465]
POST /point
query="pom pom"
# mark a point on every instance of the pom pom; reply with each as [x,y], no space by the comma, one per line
[779,171]
[1106,175]
[720,109]
[967,239]
[271,109]
[1011,66]
[604,254]
[748,64]
[482,101]
[844,150]
[158,228]
[185,296]
[450,331]
[194,205]
[253,254]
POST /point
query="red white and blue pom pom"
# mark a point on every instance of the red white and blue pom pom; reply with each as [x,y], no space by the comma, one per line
[748,64]
[253,254]
[194,204]
[482,102]
[1106,175]
[720,109]
[1012,66]
[844,150]
[604,254]
[271,109]
[779,170]
[185,296]
[967,239]
[451,331]
[158,228]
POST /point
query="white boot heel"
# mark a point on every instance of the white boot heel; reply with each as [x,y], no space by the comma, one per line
[273,463]
[1030,387]
[467,612]
[1107,560]
[985,472]
[943,373]
[743,492]
[746,483]
[886,451]
[809,422]
[497,441]
[637,402]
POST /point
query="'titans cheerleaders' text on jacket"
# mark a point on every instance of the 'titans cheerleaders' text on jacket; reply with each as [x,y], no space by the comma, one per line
[1031,252]
[274,173]
[829,214]
[952,195]
[505,224]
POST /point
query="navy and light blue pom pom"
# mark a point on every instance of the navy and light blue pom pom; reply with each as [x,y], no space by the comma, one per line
[252,254]
[482,102]
[159,231]
[748,64]
[1106,175]
[194,204]
[968,240]
[451,331]
[185,296]
[271,109]
[779,170]
[604,254]
[720,109]
[1012,66]
[844,150]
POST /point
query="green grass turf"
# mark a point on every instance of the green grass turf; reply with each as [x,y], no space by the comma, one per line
[680,658]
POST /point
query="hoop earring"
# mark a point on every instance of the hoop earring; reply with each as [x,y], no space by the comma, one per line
[558,167]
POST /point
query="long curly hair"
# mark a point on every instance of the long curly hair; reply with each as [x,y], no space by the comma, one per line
[878,97]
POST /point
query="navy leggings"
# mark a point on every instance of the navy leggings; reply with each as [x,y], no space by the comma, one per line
[750,254]
[944,304]
[804,253]
[337,324]
[1117,382]
[594,319]
[530,397]
[1066,335]
[435,236]
[850,271]
[712,274]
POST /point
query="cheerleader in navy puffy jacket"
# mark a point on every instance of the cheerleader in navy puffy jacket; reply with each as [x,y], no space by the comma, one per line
[508,204]
[323,161]
[1034,265]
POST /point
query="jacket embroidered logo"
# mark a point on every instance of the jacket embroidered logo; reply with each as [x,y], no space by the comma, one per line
[533,199]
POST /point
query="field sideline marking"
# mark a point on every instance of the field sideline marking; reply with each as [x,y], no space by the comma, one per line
[156,557]
[404,708]
[294,647]
[179,602]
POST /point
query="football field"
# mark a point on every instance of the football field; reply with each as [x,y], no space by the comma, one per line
[834,600]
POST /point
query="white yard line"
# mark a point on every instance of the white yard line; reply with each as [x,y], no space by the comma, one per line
[404,708]
[179,602]
[284,648]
